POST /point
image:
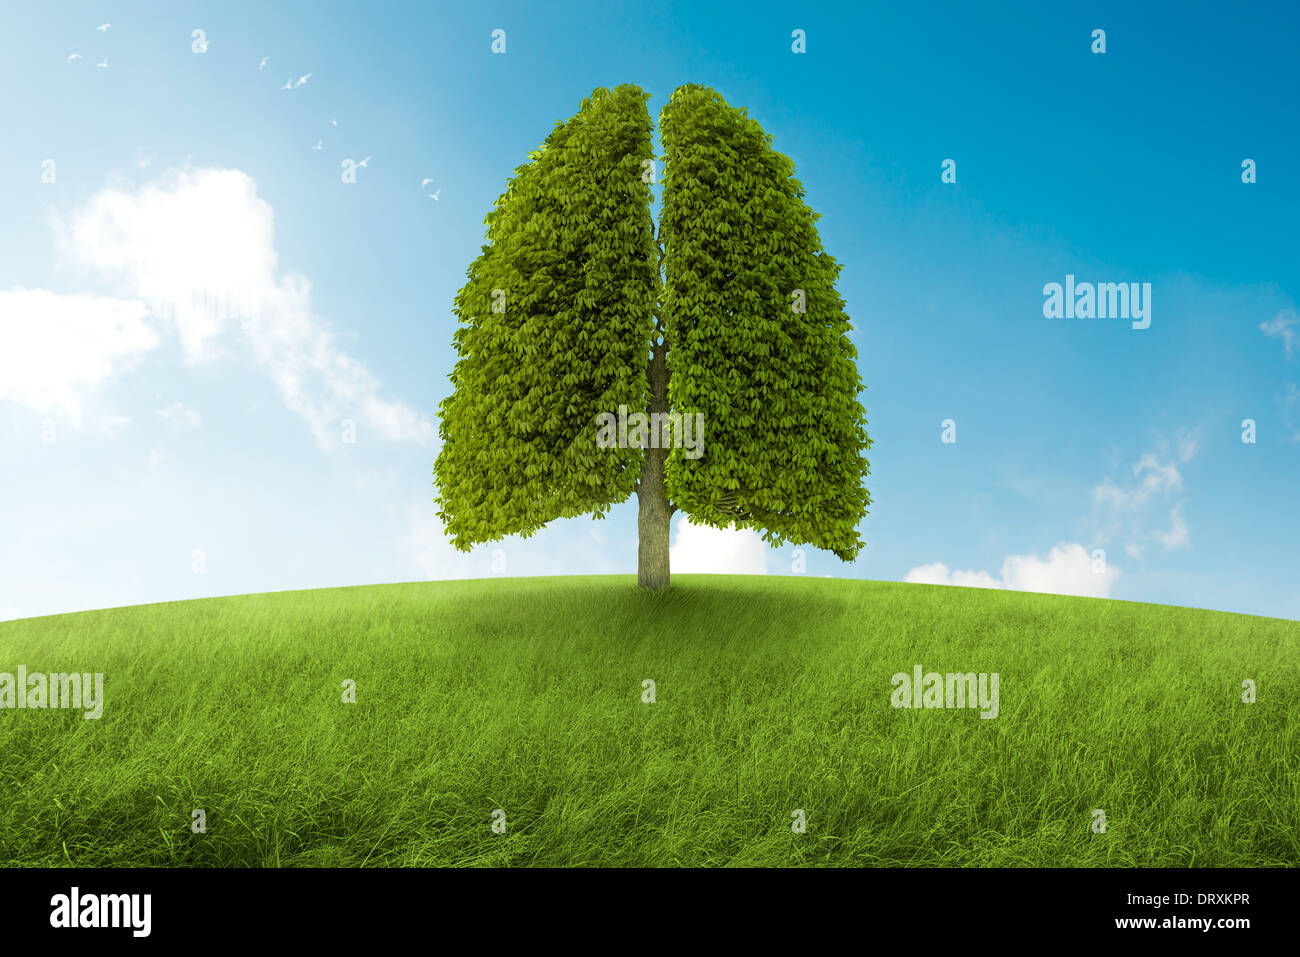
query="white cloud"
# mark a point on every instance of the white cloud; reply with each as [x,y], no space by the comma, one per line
[1177,535]
[1067,570]
[703,550]
[56,351]
[1124,510]
[179,418]
[1283,326]
[199,247]
[1153,477]
[938,574]
[395,421]
[1128,511]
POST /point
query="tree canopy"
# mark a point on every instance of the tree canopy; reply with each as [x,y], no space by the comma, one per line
[576,307]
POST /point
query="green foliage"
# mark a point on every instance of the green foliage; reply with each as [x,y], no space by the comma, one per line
[785,433]
[571,246]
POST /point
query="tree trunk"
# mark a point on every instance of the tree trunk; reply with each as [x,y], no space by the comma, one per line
[653,524]
[653,520]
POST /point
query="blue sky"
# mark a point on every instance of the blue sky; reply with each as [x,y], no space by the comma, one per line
[148,456]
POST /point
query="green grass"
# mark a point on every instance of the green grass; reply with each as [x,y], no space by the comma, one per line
[773,694]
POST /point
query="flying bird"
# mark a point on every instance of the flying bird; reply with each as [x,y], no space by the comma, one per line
[302,80]
[334,122]
[319,145]
[264,61]
[75,56]
[288,84]
[103,27]
[425,182]
[104,65]
[364,161]
[434,194]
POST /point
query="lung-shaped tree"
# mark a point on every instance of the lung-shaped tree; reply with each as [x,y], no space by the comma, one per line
[577,314]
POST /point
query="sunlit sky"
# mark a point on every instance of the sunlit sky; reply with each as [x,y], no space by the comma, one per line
[155,449]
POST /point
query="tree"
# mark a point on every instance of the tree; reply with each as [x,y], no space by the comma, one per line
[577,310]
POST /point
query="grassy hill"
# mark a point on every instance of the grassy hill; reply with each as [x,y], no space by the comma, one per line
[772,695]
